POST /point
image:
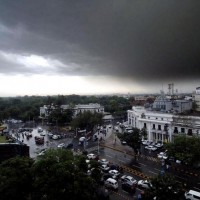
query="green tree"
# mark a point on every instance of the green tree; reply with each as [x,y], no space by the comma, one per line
[186,149]
[60,175]
[16,178]
[132,139]
[87,120]
[165,187]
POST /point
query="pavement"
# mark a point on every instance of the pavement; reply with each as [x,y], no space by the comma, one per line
[110,140]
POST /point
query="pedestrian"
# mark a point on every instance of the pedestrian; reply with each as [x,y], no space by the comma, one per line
[139,196]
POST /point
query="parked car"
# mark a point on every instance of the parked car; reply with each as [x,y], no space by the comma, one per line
[128,187]
[55,137]
[144,184]
[111,183]
[40,130]
[42,133]
[42,152]
[91,156]
[114,173]
[192,195]
[162,155]
[128,179]
[158,145]
[123,142]
[104,168]
[151,148]
[50,135]
[103,161]
[62,145]
[145,142]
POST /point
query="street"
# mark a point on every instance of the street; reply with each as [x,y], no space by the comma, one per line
[144,166]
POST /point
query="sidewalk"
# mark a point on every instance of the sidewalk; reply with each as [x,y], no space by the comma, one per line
[113,142]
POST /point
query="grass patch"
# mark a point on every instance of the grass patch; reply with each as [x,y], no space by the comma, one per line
[2,139]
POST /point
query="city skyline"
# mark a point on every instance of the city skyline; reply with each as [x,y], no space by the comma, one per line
[98,47]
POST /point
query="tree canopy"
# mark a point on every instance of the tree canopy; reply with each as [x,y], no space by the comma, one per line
[27,107]
[165,187]
[186,149]
[87,120]
[56,175]
[133,139]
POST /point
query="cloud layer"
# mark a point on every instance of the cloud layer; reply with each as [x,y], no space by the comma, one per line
[144,41]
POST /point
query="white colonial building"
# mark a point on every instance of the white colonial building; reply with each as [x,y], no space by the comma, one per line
[197,98]
[162,126]
[80,108]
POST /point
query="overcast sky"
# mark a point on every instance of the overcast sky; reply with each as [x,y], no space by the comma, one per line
[98,46]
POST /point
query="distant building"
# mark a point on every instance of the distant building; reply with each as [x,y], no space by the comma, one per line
[140,98]
[164,104]
[80,108]
[197,98]
[163,126]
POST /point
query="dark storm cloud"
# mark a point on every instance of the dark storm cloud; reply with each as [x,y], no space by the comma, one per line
[142,40]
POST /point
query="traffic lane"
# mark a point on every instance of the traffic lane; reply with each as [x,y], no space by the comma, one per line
[147,167]
[153,166]
[121,194]
[141,165]
[34,148]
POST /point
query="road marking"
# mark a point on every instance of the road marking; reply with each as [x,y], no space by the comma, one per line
[136,166]
[153,172]
[142,164]
[109,156]
[157,169]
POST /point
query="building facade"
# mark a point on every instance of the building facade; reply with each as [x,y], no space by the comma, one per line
[163,126]
[80,108]
[197,98]
[168,105]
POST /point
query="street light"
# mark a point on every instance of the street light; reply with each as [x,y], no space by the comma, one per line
[98,146]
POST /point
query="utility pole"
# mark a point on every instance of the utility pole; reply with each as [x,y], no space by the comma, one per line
[98,146]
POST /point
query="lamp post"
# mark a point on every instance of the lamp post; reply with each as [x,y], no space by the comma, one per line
[98,146]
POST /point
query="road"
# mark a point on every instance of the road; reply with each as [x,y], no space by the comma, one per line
[146,166]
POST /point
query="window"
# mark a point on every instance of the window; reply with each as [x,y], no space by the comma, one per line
[182,130]
[154,126]
[189,131]
[175,130]
[159,127]
[145,125]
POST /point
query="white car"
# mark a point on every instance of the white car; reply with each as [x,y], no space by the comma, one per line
[158,145]
[50,134]
[114,173]
[61,145]
[88,163]
[104,168]
[144,184]
[91,156]
[103,161]
[128,179]
[150,147]
[55,137]
[42,152]
[40,130]
[162,155]
[82,139]
[42,133]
